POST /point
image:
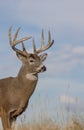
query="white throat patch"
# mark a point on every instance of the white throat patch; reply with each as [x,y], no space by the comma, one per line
[31,76]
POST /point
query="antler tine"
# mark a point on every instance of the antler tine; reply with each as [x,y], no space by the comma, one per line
[15,42]
[16,34]
[21,40]
[24,49]
[49,37]
[43,48]
[42,42]
[34,46]
[49,40]
[10,37]
[23,46]
[11,42]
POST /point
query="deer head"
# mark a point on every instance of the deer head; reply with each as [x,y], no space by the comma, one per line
[32,61]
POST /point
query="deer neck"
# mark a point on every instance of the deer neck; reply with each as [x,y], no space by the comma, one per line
[26,75]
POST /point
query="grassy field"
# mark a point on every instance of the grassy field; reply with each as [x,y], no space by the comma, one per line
[42,120]
[38,117]
[49,124]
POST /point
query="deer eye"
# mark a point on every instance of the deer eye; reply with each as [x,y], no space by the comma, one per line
[31,61]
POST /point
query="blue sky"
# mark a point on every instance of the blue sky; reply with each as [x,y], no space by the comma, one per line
[64,78]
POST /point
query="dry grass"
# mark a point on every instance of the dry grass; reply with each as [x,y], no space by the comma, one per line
[46,122]
[49,125]
[41,120]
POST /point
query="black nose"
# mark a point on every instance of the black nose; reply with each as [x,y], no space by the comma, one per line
[43,68]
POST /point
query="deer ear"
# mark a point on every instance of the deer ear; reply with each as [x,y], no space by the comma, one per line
[43,56]
[21,57]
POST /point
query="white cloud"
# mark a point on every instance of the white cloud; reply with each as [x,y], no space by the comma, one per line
[79,50]
[68,100]
[66,59]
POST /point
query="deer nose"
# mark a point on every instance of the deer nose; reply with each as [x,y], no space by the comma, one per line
[43,68]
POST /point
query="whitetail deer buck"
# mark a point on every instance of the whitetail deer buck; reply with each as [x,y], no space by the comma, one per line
[15,92]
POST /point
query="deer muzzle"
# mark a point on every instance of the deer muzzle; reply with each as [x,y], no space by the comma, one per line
[43,69]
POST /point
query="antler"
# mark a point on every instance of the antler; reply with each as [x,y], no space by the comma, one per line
[15,42]
[43,48]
